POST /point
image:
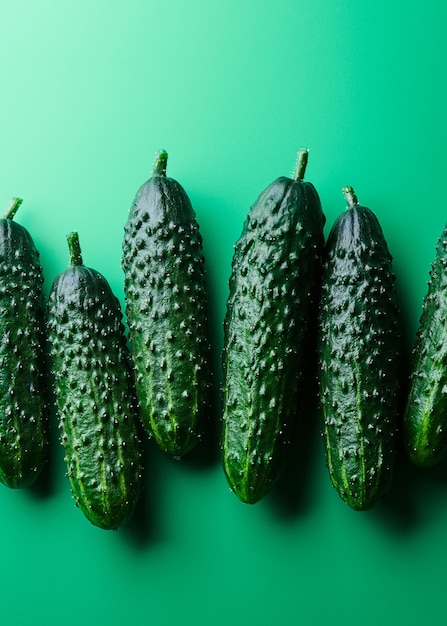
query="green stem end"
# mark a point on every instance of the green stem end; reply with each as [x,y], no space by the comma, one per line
[301,164]
[160,163]
[12,207]
[351,197]
[74,249]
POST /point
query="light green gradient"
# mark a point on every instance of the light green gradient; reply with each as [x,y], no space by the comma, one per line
[232,90]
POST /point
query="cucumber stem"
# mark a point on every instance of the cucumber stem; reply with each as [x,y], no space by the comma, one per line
[74,249]
[12,207]
[301,164]
[351,197]
[161,160]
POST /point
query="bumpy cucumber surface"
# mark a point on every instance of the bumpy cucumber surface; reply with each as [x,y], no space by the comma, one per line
[425,418]
[360,350]
[166,305]
[95,393]
[23,405]
[272,287]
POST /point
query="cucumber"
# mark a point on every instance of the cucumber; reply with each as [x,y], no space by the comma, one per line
[95,396]
[359,348]
[272,288]
[425,417]
[166,306]
[23,400]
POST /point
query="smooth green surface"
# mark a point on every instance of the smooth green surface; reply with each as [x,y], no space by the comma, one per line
[231,89]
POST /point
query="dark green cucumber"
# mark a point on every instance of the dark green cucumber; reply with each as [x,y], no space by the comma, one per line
[166,305]
[425,418]
[98,416]
[360,349]
[273,284]
[23,404]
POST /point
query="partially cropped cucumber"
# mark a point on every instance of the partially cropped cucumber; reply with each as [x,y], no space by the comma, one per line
[425,419]
[360,348]
[95,393]
[273,285]
[166,305]
[23,405]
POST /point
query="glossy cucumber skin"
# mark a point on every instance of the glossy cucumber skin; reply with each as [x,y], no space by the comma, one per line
[23,402]
[166,306]
[360,347]
[98,415]
[425,418]
[273,285]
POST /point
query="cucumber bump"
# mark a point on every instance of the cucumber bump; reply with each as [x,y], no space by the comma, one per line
[272,289]
[425,417]
[23,398]
[360,348]
[166,306]
[98,414]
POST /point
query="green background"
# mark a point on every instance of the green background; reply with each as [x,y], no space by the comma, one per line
[232,89]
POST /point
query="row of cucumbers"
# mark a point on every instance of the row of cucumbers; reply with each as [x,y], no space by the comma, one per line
[284,279]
